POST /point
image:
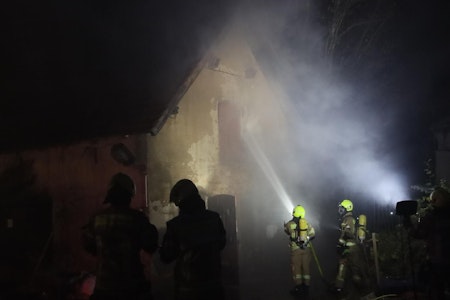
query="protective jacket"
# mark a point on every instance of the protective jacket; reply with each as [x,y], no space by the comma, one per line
[194,239]
[300,245]
[351,261]
[116,235]
[347,237]
[434,228]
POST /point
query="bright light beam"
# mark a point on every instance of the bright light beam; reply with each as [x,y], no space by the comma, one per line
[268,170]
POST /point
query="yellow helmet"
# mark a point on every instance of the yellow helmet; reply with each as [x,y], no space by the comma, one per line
[298,212]
[347,205]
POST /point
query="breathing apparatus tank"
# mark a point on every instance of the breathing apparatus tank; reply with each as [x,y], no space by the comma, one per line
[362,222]
[303,236]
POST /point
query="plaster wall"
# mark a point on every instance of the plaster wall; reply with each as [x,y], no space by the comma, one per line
[222,137]
[229,106]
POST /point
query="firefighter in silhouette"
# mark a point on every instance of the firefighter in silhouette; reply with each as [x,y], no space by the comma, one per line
[352,275]
[194,240]
[118,236]
[300,234]
[434,228]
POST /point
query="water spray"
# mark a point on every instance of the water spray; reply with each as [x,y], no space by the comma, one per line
[268,170]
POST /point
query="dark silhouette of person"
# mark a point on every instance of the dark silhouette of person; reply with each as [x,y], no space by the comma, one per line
[434,228]
[194,240]
[117,235]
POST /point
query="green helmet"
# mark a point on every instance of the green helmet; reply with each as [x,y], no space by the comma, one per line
[298,212]
[347,204]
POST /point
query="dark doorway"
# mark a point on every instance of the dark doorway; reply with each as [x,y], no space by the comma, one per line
[225,205]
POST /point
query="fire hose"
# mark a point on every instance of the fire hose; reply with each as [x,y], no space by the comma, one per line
[316,259]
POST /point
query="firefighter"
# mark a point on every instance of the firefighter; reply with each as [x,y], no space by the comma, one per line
[117,236]
[351,274]
[300,234]
[434,228]
[194,240]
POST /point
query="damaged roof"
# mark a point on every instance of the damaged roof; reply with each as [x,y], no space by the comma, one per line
[76,70]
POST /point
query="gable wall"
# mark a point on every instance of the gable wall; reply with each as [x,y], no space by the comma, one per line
[205,140]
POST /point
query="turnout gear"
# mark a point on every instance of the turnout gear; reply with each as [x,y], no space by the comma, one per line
[351,265]
[434,228]
[194,240]
[118,236]
[300,234]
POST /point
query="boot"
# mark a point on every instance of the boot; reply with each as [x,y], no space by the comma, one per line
[306,290]
[297,290]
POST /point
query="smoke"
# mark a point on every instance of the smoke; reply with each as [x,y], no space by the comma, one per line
[336,142]
[331,134]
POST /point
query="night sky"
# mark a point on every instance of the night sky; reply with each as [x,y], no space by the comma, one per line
[71,70]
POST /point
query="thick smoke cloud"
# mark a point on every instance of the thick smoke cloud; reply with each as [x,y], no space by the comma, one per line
[339,144]
[356,126]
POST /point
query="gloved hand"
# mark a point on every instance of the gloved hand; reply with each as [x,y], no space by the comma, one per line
[307,241]
[302,244]
[340,249]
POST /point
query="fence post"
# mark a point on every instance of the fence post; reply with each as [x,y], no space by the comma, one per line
[375,254]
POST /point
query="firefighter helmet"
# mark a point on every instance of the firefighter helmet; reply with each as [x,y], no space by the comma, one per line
[347,205]
[123,181]
[182,190]
[120,190]
[439,197]
[298,212]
